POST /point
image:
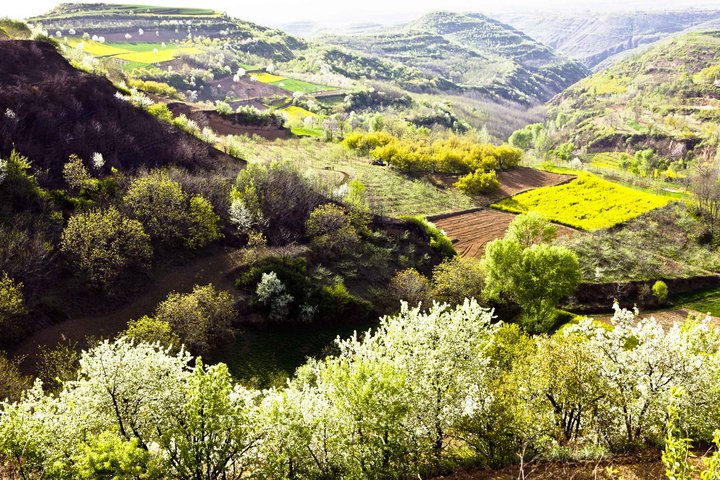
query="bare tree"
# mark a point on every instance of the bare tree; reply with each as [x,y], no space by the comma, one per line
[705,186]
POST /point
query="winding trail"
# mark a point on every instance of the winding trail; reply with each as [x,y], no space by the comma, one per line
[214,268]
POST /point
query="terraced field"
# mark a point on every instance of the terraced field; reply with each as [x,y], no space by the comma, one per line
[138,53]
[471,231]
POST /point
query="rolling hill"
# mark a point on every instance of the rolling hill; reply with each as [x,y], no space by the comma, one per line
[592,39]
[666,98]
[472,52]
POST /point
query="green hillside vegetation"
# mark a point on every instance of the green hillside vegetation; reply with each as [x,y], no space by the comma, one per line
[664,99]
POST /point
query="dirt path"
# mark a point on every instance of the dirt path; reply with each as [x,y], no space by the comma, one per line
[209,269]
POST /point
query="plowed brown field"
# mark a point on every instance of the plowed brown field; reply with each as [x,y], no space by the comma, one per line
[471,231]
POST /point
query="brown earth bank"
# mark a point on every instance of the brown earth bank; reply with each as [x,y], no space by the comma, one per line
[228,124]
[470,231]
[642,466]
[57,110]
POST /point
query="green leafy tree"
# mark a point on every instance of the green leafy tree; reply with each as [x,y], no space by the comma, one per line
[106,246]
[531,228]
[203,223]
[160,204]
[212,433]
[535,278]
[201,317]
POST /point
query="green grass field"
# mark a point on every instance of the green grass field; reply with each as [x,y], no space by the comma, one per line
[707,301]
[588,203]
[299,86]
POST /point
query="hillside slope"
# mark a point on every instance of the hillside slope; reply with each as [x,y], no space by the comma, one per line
[592,39]
[667,99]
[472,52]
[51,110]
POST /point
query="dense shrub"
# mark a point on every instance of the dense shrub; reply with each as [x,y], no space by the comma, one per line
[152,330]
[106,246]
[437,239]
[200,318]
[331,232]
[168,214]
[306,290]
[456,279]
[278,199]
[409,285]
[478,183]
[12,307]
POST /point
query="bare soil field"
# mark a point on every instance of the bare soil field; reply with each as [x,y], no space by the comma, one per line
[471,231]
[521,179]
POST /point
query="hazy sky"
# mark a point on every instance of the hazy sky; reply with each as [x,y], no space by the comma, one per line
[278,12]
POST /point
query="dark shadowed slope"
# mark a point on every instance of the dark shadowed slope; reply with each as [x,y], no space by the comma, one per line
[50,110]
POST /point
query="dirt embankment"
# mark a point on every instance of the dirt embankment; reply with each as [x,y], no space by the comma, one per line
[642,466]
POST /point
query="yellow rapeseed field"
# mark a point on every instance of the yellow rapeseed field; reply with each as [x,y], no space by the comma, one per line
[587,202]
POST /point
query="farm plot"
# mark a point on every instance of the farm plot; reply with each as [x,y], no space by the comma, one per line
[471,231]
[588,202]
[137,53]
[288,84]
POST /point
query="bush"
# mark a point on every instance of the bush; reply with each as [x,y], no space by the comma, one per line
[152,330]
[456,279]
[271,292]
[660,290]
[12,382]
[106,246]
[200,318]
[278,199]
[331,232]
[410,286]
[12,307]
[478,183]
[169,214]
